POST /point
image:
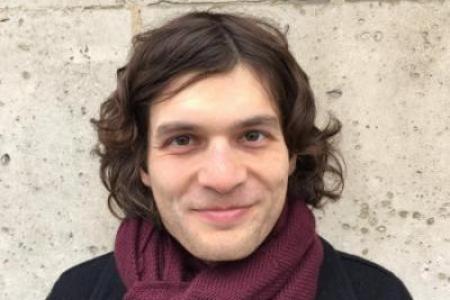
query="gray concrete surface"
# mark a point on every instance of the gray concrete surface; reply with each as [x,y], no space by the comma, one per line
[383,68]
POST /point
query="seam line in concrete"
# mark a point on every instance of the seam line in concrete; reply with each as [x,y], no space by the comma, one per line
[257,2]
[93,7]
[123,5]
[206,2]
[72,8]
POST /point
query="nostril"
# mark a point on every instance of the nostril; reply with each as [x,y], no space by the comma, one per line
[222,180]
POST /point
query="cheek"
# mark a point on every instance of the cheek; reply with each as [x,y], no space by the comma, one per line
[168,183]
[167,203]
[165,176]
[275,171]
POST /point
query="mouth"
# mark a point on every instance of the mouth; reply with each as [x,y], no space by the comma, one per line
[223,217]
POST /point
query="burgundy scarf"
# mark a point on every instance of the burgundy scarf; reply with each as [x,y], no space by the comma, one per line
[153,265]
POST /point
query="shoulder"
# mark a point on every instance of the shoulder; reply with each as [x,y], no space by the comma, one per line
[363,278]
[369,277]
[90,278]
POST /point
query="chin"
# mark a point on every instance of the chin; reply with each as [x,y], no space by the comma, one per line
[222,256]
[224,251]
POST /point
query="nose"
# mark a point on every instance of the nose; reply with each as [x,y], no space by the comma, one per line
[222,169]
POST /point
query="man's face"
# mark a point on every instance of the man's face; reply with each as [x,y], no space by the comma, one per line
[218,165]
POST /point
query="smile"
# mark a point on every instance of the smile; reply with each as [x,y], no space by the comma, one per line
[223,217]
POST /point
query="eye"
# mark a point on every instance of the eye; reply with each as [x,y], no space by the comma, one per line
[181,140]
[254,135]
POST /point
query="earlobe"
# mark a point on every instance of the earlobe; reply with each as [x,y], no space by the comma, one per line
[145,177]
[292,164]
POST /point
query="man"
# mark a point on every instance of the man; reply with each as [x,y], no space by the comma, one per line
[209,151]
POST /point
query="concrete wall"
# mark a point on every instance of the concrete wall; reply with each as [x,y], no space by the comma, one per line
[381,67]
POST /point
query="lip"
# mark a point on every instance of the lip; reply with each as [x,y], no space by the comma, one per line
[223,217]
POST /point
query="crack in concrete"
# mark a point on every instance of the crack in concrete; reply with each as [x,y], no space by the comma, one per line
[136,18]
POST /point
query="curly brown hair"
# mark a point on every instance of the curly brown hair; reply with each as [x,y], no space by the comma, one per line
[205,43]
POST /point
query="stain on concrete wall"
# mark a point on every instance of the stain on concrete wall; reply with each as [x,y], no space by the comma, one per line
[379,66]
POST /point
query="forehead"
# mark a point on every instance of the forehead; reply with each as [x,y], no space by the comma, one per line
[217,100]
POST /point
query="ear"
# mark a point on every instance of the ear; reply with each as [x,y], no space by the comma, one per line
[292,164]
[145,177]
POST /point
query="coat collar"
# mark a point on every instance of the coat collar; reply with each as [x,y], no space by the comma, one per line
[334,283]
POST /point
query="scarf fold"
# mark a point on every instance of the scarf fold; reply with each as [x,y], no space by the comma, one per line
[152,265]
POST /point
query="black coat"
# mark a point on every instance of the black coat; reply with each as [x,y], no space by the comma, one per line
[342,277]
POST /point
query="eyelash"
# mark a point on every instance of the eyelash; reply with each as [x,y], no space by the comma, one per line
[169,141]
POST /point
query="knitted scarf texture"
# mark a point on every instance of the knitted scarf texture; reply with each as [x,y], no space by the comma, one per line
[153,265]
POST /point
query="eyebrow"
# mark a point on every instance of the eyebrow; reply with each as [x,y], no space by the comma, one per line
[258,120]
